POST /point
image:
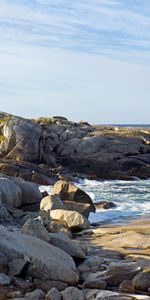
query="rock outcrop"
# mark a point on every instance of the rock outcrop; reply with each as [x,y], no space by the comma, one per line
[73,197]
[74,220]
[39,149]
[16,192]
[45,260]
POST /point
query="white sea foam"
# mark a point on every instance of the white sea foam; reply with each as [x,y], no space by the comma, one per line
[132,198]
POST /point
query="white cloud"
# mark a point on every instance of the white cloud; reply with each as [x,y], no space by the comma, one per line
[78,24]
[81,58]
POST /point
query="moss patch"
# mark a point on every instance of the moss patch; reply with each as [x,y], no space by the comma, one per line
[4,119]
[2,138]
[44,120]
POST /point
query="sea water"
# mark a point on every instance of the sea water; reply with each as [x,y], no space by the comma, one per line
[132,198]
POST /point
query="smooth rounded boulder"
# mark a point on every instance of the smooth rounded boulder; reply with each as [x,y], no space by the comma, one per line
[73,197]
[142,280]
[74,220]
[45,260]
[61,241]
[51,202]
[30,191]
[11,194]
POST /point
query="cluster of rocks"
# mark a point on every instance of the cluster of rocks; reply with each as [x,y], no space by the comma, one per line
[40,149]
[47,250]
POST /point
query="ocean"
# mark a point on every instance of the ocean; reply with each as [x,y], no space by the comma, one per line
[132,198]
[128,125]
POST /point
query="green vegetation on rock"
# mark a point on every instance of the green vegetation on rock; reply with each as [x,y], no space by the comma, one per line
[2,138]
[4,119]
[43,120]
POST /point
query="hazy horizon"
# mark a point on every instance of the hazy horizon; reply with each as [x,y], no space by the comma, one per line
[80,59]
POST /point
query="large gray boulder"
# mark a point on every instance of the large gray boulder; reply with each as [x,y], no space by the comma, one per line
[22,139]
[73,197]
[11,194]
[30,191]
[46,261]
[74,220]
[61,241]
[35,227]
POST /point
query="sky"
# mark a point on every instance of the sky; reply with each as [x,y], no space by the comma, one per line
[82,59]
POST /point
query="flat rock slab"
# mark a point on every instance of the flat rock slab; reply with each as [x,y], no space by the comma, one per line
[46,261]
[114,275]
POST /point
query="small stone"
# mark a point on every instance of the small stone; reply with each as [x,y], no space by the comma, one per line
[4,214]
[126,287]
[23,285]
[95,284]
[142,280]
[53,294]
[15,294]
[73,293]
[5,279]
[36,294]
[54,226]
[104,294]
[47,285]
[105,205]
[3,263]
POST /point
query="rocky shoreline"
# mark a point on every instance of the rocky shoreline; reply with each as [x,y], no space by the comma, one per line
[42,149]
[49,250]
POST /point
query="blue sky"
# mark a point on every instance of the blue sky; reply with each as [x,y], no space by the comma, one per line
[84,59]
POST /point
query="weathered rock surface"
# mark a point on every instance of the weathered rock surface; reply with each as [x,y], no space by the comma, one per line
[69,246]
[92,263]
[16,192]
[4,213]
[35,227]
[46,261]
[10,193]
[36,294]
[104,205]
[114,275]
[29,190]
[74,220]
[5,279]
[142,280]
[126,287]
[17,266]
[51,202]
[53,294]
[73,197]
[47,285]
[96,284]
[73,293]
[54,226]
[97,151]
